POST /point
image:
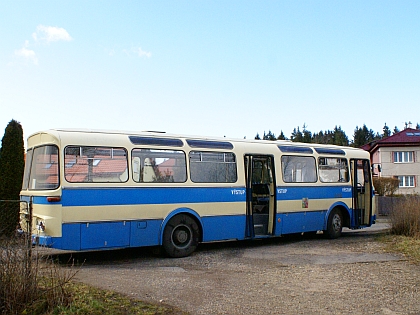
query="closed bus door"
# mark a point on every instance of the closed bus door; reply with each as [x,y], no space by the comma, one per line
[362,192]
[261,195]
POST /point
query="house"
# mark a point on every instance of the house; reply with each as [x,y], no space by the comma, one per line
[398,156]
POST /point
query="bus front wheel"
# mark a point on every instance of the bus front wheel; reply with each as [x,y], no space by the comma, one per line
[335,224]
[181,236]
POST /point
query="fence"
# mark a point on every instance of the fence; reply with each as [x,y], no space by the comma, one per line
[16,261]
[16,221]
[387,205]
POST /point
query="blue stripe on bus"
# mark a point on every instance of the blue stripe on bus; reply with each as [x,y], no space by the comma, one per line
[177,195]
[313,192]
[129,196]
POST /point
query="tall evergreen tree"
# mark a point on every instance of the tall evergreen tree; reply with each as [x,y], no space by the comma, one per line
[269,136]
[281,136]
[296,135]
[340,137]
[307,135]
[386,132]
[318,137]
[396,130]
[417,126]
[362,136]
[11,174]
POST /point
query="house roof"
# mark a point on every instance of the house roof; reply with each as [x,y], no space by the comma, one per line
[407,137]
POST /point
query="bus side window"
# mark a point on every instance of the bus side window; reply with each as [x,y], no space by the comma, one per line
[333,170]
[87,164]
[298,169]
[158,165]
[213,167]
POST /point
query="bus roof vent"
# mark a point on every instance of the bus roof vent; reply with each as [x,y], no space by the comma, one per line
[295,149]
[168,142]
[330,151]
[210,144]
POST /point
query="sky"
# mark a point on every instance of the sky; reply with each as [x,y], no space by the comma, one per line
[210,68]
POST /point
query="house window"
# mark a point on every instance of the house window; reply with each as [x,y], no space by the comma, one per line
[406,181]
[403,157]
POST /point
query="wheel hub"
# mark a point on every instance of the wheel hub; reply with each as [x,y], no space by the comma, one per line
[181,236]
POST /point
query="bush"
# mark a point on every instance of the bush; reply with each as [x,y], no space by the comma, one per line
[405,220]
[385,186]
[30,284]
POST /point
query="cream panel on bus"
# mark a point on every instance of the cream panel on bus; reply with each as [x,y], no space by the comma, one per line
[51,216]
[141,212]
[284,206]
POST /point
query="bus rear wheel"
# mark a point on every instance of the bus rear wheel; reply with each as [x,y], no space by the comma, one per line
[181,236]
[335,224]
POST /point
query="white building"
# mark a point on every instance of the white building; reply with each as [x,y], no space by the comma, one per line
[398,156]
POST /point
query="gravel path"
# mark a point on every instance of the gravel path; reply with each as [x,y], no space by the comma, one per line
[350,275]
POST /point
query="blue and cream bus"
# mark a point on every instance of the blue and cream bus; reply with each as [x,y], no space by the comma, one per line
[95,190]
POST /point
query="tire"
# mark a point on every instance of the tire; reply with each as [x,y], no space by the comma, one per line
[180,236]
[335,224]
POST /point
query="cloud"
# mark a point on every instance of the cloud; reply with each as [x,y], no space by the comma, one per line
[26,53]
[137,51]
[142,53]
[51,34]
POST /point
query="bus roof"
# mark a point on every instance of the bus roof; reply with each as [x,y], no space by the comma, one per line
[67,135]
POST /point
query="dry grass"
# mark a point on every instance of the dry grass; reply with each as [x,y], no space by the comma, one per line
[405,220]
[40,286]
[404,234]
[30,283]
[408,246]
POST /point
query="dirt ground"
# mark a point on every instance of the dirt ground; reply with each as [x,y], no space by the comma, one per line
[294,275]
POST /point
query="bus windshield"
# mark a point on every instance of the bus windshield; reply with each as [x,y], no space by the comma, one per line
[41,168]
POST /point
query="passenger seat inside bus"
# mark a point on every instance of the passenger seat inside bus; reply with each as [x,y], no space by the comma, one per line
[260,198]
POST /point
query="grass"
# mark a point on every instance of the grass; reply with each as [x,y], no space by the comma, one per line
[404,234]
[405,218]
[37,285]
[93,301]
[406,245]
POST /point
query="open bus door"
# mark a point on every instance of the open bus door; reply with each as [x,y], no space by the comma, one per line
[261,195]
[362,192]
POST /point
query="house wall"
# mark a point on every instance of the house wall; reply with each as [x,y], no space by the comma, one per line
[391,169]
[376,161]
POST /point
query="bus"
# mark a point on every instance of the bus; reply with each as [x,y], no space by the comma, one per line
[97,190]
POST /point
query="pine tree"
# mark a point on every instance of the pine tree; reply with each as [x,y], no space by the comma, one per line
[269,136]
[11,174]
[386,132]
[340,137]
[281,136]
[296,135]
[363,136]
[307,135]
